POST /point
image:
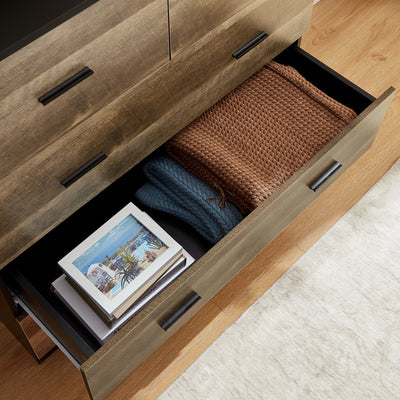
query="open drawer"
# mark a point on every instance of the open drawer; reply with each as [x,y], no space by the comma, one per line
[104,366]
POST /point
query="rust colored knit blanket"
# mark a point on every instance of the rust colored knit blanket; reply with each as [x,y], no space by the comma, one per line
[258,135]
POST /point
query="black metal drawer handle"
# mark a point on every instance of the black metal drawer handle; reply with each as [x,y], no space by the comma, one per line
[247,47]
[325,176]
[65,86]
[69,180]
[189,303]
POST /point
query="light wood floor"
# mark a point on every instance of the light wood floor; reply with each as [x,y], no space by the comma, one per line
[361,40]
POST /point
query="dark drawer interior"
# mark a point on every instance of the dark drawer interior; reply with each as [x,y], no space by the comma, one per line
[326,79]
[31,274]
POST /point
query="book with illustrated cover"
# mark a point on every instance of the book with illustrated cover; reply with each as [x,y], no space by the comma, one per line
[115,265]
[94,322]
[110,320]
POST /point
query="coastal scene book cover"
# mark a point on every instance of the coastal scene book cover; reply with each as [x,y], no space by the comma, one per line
[120,256]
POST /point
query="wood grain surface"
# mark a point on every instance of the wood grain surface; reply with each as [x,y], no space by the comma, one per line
[119,58]
[358,39]
[191,19]
[61,42]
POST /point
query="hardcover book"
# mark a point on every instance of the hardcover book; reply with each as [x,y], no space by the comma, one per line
[94,322]
[115,265]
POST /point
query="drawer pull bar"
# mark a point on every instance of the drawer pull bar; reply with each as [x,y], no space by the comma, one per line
[69,180]
[65,86]
[325,176]
[247,47]
[180,311]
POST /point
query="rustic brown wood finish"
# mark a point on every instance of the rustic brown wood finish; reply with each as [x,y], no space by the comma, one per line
[50,49]
[119,57]
[139,120]
[184,34]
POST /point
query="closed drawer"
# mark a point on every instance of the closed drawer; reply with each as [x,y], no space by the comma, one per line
[191,19]
[131,126]
[214,267]
[49,49]
[118,58]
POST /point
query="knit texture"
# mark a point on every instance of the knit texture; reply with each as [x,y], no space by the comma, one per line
[258,135]
[176,191]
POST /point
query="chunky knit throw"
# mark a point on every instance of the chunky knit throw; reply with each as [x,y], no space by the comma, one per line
[258,135]
[176,191]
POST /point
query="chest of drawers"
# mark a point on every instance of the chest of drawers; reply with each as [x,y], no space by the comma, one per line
[153,73]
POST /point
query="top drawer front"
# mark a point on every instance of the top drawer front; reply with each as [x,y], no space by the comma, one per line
[120,57]
[191,19]
[64,40]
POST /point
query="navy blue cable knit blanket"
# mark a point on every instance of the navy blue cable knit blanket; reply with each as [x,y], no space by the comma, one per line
[176,191]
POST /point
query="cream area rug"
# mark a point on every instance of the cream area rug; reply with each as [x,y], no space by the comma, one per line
[329,329]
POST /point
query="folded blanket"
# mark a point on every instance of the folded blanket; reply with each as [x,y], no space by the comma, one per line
[176,191]
[258,135]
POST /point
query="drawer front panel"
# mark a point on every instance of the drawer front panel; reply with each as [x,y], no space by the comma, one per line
[114,61]
[136,345]
[64,40]
[208,275]
[134,125]
[191,19]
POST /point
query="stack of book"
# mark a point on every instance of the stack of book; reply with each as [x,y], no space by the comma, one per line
[118,269]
